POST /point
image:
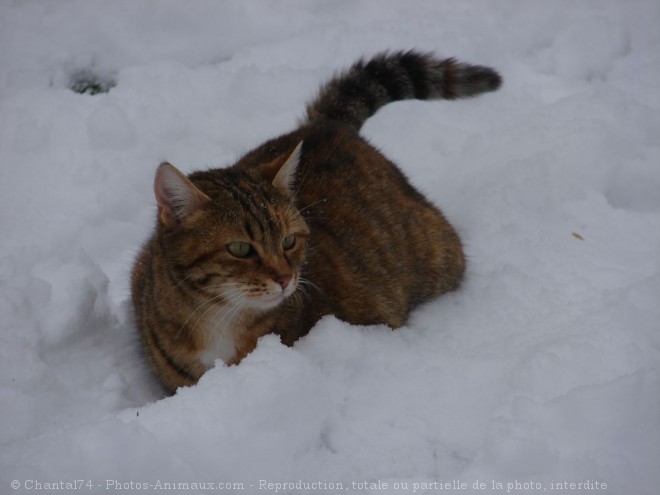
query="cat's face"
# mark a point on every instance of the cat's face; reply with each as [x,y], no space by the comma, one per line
[250,259]
[235,238]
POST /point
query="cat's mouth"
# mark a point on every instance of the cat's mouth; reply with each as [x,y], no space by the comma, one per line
[273,297]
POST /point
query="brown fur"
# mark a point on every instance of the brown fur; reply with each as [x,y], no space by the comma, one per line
[368,247]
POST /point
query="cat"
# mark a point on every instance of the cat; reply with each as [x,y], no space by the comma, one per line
[311,223]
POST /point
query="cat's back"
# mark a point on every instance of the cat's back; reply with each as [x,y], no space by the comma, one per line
[378,247]
[334,156]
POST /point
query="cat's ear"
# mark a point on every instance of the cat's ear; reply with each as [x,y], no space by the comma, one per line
[176,196]
[284,178]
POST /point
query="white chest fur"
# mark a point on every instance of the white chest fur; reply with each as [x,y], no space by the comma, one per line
[220,347]
[220,344]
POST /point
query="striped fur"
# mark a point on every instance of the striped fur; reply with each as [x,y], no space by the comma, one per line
[356,94]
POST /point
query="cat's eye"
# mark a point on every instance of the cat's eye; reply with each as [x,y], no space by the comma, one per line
[289,241]
[239,249]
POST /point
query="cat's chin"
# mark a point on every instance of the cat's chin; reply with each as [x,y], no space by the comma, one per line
[267,302]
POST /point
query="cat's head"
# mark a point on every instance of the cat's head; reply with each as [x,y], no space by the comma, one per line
[233,235]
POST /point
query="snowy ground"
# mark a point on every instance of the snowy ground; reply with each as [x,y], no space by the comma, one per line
[542,369]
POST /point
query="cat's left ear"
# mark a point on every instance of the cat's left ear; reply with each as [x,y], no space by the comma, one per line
[284,178]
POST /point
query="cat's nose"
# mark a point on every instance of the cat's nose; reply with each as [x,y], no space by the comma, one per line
[283,280]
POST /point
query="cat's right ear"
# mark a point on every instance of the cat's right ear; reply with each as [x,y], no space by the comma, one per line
[176,196]
[284,178]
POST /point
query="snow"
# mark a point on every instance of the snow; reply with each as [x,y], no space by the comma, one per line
[542,369]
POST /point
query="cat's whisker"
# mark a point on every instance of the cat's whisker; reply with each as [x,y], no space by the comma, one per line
[312,204]
[302,289]
[194,312]
[180,282]
[230,300]
[219,286]
[306,283]
[210,301]
[298,297]
[235,310]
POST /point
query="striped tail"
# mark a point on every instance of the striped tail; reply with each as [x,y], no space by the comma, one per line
[357,93]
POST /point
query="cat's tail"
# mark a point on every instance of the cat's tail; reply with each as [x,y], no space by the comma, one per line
[355,94]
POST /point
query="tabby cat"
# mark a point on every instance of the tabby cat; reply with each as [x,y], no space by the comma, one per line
[311,223]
